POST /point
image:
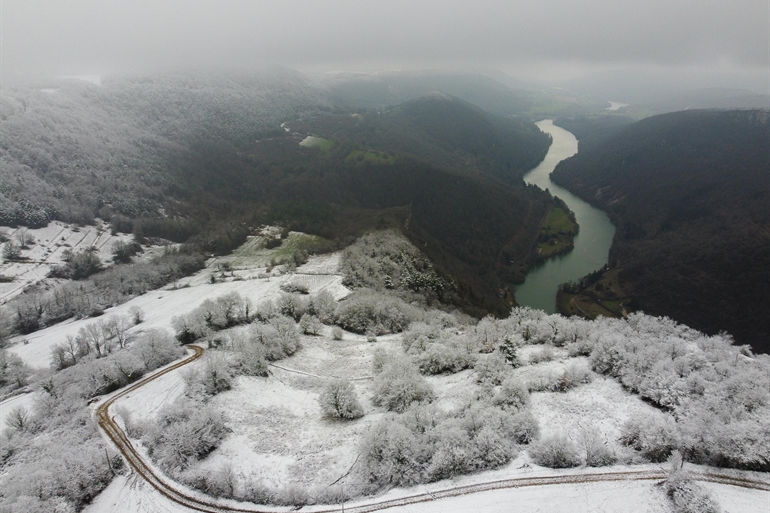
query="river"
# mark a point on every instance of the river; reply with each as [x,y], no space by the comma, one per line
[592,244]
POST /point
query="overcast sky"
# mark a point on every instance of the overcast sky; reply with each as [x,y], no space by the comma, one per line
[529,39]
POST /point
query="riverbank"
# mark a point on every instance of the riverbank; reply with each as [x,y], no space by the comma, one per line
[591,244]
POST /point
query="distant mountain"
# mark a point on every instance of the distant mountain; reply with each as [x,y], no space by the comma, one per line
[690,195]
[591,131]
[451,133]
[388,89]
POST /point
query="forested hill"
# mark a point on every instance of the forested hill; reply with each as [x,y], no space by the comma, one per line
[72,150]
[201,157]
[453,134]
[388,89]
[690,194]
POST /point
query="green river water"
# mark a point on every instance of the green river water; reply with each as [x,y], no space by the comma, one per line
[592,244]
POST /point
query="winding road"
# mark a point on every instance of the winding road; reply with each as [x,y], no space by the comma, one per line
[199,502]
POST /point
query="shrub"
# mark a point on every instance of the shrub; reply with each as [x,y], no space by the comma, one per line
[122,251]
[78,266]
[293,494]
[294,288]
[383,313]
[155,347]
[322,305]
[654,434]
[491,369]
[546,354]
[440,358]
[598,451]
[556,451]
[525,428]
[513,394]
[393,455]
[399,384]
[250,354]
[337,333]
[185,432]
[290,305]
[339,401]
[310,325]
[688,496]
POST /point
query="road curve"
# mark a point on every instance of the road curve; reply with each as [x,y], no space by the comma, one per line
[197,502]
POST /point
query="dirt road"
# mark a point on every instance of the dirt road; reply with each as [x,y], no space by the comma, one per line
[199,502]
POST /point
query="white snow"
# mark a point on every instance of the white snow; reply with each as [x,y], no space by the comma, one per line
[24,400]
[50,244]
[160,306]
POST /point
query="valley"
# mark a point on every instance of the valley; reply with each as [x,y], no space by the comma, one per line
[276,292]
[591,244]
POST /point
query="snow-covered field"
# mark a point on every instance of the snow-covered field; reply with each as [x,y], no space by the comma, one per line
[279,436]
[48,249]
[160,306]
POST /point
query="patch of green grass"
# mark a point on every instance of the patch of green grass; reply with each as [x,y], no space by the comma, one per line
[557,234]
[317,142]
[369,157]
[559,223]
[254,252]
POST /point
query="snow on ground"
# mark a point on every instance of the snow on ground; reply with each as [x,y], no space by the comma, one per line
[609,497]
[739,500]
[48,249]
[279,433]
[26,401]
[160,306]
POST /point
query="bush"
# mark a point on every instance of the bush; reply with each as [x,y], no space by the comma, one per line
[185,432]
[688,496]
[78,266]
[491,369]
[290,305]
[294,288]
[598,451]
[525,428]
[399,384]
[322,305]
[368,309]
[279,337]
[393,455]
[513,394]
[337,333]
[556,451]
[654,434]
[122,252]
[440,358]
[155,347]
[310,325]
[339,401]
[546,354]
[425,444]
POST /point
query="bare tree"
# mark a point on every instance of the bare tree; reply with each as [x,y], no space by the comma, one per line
[23,237]
[116,328]
[18,418]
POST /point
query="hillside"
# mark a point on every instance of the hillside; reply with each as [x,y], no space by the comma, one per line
[689,192]
[388,89]
[429,402]
[203,159]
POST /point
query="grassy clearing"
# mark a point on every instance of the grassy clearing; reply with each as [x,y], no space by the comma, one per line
[557,234]
[369,157]
[255,252]
[317,142]
[605,297]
